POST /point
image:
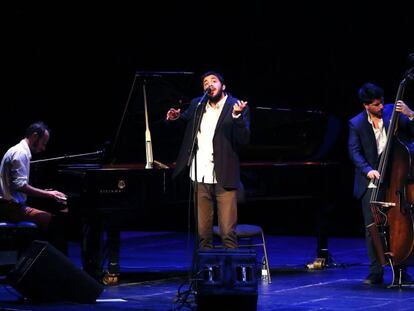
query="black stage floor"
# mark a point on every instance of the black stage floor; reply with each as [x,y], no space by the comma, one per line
[155,265]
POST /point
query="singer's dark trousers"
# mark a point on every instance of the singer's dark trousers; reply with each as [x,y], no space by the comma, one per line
[209,196]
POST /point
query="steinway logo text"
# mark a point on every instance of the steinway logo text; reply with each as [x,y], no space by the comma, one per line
[102,191]
[121,187]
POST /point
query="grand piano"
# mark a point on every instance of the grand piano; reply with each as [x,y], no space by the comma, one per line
[110,198]
[286,162]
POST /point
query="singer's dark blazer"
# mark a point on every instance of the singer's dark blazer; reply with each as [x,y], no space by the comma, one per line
[362,146]
[230,135]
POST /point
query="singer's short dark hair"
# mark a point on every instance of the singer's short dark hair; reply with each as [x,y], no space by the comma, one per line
[38,127]
[370,92]
[212,73]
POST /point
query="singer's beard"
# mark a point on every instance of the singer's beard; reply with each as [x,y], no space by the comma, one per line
[215,99]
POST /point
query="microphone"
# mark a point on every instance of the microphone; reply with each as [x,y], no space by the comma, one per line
[207,91]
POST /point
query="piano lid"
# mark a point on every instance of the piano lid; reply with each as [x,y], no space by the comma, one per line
[280,135]
[163,90]
[277,134]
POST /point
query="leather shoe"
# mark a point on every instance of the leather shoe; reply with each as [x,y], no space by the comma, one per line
[373,278]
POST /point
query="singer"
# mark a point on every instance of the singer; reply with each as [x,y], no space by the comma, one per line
[223,124]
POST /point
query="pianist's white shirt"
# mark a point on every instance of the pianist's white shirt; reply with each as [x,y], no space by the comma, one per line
[14,172]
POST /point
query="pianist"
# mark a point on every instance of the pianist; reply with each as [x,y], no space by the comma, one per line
[15,187]
[224,128]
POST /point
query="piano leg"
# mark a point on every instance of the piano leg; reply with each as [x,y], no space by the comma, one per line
[321,224]
[113,241]
[92,247]
[324,258]
[113,244]
[96,249]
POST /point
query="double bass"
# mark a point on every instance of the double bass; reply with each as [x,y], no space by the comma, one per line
[392,197]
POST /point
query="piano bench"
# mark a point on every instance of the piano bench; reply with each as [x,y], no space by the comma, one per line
[15,237]
[246,234]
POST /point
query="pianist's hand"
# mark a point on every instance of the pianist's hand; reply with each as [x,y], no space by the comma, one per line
[57,195]
[173,114]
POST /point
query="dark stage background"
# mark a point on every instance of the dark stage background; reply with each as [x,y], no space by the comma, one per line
[73,66]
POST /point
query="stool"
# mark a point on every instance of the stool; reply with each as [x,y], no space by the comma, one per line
[15,237]
[248,232]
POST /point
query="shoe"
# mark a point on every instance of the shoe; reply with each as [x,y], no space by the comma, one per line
[373,279]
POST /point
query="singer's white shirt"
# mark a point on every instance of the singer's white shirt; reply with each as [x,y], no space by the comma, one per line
[205,151]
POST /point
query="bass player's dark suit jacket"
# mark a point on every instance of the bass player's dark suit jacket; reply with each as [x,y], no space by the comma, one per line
[362,146]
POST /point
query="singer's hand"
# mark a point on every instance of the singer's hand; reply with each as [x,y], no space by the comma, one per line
[173,114]
[239,107]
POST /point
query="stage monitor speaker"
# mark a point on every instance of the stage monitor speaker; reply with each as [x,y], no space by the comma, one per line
[44,274]
[226,277]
